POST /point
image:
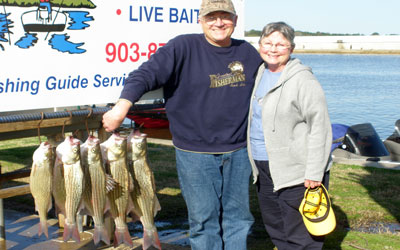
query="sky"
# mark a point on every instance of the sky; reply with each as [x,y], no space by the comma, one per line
[331,16]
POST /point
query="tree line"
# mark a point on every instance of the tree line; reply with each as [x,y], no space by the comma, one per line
[257,33]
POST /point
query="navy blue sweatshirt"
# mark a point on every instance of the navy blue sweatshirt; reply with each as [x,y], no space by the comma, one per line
[207,90]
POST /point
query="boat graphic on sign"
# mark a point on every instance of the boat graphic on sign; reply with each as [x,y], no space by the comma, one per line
[44,19]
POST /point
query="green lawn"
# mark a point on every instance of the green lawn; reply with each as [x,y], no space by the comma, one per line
[362,198]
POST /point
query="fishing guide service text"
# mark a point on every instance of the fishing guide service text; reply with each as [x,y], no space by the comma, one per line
[53,83]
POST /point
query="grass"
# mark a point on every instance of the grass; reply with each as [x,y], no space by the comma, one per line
[362,197]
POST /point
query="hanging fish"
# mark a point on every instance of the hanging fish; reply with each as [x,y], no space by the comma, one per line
[41,183]
[69,153]
[145,201]
[59,186]
[97,184]
[114,153]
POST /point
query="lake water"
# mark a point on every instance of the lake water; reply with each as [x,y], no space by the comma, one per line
[359,88]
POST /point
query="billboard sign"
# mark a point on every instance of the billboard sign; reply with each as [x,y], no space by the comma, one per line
[58,53]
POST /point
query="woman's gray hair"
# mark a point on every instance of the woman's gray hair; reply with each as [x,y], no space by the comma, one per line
[286,30]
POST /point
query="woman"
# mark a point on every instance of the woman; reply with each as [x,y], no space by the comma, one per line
[289,138]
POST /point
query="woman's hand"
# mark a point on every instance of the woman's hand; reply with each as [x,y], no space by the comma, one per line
[312,184]
[113,118]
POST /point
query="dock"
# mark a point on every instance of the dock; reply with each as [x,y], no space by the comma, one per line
[22,233]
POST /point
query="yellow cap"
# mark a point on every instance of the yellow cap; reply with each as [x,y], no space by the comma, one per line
[317,211]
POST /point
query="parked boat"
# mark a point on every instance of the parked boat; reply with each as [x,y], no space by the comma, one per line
[392,143]
[152,118]
[361,145]
[44,19]
[149,115]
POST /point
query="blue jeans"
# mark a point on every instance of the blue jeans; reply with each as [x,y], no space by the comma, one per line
[216,190]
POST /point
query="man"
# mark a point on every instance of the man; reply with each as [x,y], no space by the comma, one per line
[207,80]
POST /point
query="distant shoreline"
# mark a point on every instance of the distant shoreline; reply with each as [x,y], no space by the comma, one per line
[370,45]
[346,51]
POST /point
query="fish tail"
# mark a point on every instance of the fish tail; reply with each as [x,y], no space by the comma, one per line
[122,236]
[71,231]
[100,233]
[43,228]
[150,238]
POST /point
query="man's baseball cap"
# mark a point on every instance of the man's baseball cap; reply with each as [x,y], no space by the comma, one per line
[208,6]
[317,213]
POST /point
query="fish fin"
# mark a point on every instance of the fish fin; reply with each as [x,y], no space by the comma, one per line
[33,169]
[157,206]
[100,233]
[82,209]
[59,210]
[108,214]
[150,238]
[43,228]
[153,181]
[134,216]
[85,211]
[131,183]
[62,170]
[50,205]
[56,209]
[107,206]
[110,183]
[71,231]
[107,167]
[136,131]
[131,206]
[122,236]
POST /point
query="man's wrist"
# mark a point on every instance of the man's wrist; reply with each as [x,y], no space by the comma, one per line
[124,102]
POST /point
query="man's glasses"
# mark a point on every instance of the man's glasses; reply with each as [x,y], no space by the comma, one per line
[227,19]
[278,46]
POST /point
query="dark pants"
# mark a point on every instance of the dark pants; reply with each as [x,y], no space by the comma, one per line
[280,213]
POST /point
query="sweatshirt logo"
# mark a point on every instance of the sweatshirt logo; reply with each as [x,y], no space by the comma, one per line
[235,78]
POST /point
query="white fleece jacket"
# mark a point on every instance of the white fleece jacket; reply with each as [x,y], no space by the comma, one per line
[296,125]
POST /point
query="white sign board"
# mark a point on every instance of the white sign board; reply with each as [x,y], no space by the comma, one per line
[58,56]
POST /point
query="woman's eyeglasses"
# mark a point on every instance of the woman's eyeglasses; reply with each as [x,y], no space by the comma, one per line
[278,46]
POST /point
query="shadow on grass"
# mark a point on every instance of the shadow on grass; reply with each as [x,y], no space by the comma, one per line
[383,187]
[335,239]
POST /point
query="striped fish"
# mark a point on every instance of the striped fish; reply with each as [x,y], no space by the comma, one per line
[41,183]
[69,153]
[145,201]
[59,186]
[114,153]
[97,184]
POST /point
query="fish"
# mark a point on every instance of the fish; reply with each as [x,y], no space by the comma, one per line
[69,153]
[41,183]
[59,186]
[145,201]
[97,184]
[114,154]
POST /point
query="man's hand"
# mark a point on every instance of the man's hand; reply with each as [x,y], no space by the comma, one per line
[113,118]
